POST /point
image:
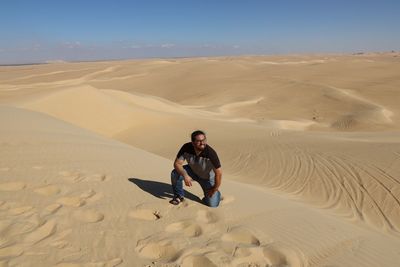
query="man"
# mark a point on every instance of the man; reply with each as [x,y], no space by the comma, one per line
[203,167]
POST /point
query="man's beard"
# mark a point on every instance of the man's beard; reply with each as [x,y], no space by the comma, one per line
[201,148]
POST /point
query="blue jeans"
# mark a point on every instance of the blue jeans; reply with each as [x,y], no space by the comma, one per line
[206,185]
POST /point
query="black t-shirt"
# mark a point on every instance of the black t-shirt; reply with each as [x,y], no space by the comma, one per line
[204,164]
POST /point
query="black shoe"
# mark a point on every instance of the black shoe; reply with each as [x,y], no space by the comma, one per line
[177,200]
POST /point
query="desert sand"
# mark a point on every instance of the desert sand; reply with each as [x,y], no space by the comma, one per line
[309,146]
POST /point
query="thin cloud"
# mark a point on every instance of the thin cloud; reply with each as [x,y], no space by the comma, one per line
[167,45]
[71,45]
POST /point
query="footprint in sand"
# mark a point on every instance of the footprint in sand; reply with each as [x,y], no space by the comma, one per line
[10,252]
[12,186]
[157,250]
[189,229]
[71,201]
[95,197]
[72,177]
[242,236]
[76,176]
[277,254]
[242,249]
[20,210]
[59,244]
[197,261]
[88,194]
[110,263]
[40,233]
[18,227]
[241,252]
[145,214]
[58,240]
[51,209]
[96,178]
[78,201]
[48,190]
[91,195]
[6,242]
[205,216]
[89,216]
[145,211]
[68,264]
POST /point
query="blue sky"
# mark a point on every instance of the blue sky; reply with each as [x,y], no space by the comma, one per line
[43,30]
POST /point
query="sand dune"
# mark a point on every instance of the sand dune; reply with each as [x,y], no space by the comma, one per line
[309,146]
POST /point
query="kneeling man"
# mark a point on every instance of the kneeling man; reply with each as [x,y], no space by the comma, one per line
[202,166]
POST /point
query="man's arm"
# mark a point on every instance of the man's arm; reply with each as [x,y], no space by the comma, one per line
[218,178]
[178,165]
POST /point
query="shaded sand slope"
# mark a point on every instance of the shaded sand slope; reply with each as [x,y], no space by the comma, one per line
[91,108]
[72,198]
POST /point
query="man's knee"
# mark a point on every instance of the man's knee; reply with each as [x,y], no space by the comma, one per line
[174,176]
[212,204]
[213,201]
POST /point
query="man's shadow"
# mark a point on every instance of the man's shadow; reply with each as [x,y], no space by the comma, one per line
[160,190]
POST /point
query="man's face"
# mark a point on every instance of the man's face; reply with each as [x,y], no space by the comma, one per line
[200,142]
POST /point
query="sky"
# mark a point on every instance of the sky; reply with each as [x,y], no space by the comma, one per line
[52,30]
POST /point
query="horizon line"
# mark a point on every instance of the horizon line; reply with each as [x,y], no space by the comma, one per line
[55,61]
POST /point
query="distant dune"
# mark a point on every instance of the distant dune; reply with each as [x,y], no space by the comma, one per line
[309,145]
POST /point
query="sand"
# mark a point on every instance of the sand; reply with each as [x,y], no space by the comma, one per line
[309,146]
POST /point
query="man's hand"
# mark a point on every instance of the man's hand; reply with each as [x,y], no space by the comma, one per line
[212,191]
[188,180]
